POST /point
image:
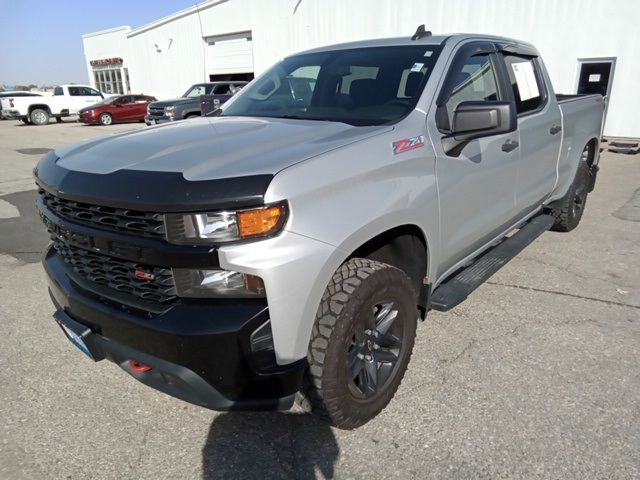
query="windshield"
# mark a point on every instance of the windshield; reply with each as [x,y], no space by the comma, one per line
[197,90]
[107,101]
[363,86]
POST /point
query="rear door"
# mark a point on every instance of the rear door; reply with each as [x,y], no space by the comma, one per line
[139,107]
[476,189]
[539,122]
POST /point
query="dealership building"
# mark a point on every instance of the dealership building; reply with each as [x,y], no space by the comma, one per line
[587,45]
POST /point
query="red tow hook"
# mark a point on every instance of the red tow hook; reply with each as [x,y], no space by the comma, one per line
[138,367]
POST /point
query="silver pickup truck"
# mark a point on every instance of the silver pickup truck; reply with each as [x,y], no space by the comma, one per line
[286,248]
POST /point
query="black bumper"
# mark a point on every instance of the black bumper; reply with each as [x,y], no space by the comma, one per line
[158,119]
[198,351]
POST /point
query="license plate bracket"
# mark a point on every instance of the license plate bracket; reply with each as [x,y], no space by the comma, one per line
[80,335]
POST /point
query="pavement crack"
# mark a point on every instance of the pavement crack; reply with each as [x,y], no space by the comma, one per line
[565,294]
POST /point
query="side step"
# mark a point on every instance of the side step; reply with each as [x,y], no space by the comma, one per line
[456,289]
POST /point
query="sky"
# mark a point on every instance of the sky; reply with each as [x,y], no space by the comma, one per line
[40,40]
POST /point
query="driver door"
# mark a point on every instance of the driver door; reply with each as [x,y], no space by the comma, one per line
[476,188]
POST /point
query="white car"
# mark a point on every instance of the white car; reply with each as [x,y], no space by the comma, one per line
[65,101]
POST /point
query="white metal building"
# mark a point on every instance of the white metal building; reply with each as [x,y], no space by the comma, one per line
[585,44]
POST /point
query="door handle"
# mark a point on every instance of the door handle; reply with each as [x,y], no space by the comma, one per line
[555,129]
[509,145]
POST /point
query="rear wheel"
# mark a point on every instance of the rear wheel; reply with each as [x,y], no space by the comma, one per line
[38,116]
[361,343]
[106,119]
[568,210]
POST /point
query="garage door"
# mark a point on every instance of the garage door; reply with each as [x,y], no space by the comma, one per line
[231,53]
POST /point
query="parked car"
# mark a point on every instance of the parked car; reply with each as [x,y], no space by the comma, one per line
[188,105]
[287,247]
[121,108]
[14,94]
[66,101]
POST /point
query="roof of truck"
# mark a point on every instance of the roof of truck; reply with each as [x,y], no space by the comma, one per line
[406,40]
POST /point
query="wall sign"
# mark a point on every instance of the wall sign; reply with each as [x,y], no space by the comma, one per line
[106,61]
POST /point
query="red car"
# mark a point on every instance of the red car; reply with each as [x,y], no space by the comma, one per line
[122,108]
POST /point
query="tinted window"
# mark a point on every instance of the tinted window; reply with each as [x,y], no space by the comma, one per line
[360,86]
[197,90]
[124,100]
[58,91]
[223,89]
[74,91]
[474,81]
[525,81]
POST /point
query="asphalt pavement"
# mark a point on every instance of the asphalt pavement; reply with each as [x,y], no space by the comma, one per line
[536,375]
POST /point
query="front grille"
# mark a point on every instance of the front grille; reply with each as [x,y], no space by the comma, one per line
[120,275]
[158,111]
[120,219]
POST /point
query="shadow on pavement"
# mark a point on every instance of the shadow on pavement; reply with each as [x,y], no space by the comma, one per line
[269,445]
[24,236]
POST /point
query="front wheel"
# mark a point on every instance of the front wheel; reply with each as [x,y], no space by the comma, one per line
[106,119]
[361,343]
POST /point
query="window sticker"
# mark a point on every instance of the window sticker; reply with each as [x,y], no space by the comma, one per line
[428,53]
[417,67]
[594,77]
[526,80]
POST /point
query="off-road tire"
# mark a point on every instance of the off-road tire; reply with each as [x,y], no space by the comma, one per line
[39,116]
[354,290]
[569,209]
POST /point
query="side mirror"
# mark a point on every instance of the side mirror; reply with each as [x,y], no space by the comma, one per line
[476,119]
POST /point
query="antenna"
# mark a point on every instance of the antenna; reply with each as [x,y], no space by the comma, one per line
[421,33]
[204,45]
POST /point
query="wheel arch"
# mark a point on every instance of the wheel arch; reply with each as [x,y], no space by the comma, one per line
[404,247]
[36,106]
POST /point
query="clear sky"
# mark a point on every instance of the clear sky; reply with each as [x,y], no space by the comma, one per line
[40,40]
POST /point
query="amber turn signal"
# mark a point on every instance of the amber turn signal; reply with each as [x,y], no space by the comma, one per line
[261,221]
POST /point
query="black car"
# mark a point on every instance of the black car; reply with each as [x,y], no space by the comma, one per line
[189,104]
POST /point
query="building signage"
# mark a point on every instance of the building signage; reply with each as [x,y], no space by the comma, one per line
[106,61]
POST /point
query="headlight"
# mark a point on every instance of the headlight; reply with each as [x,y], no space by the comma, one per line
[197,283]
[171,111]
[220,227]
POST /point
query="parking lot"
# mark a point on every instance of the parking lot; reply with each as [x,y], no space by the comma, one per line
[537,375]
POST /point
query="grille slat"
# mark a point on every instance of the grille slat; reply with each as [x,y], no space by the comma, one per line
[119,275]
[120,219]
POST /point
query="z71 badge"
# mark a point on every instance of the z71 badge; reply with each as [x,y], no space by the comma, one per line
[406,144]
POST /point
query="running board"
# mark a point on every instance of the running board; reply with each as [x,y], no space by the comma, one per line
[456,289]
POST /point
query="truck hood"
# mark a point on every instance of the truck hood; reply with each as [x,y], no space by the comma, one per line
[208,148]
[175,102]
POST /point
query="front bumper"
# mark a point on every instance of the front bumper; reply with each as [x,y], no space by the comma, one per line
[199,351]
[157,119]
[88,118]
